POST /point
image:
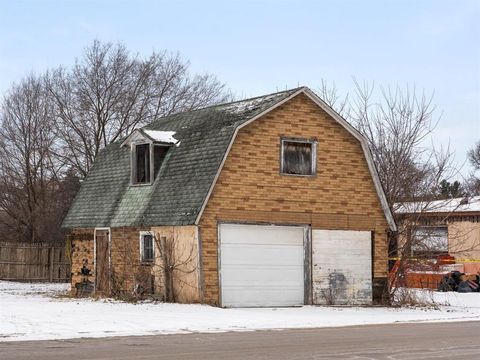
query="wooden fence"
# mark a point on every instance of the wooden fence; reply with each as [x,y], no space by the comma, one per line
[34,262]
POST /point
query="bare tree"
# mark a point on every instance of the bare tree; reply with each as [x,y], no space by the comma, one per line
[474,156]
[331,95]
[176,260]
[110,92]
[28,171]
[472,183]
[173,271]
[398,124]
[54,125]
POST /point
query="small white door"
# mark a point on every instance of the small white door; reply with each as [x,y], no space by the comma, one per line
[341,267]
[261,265]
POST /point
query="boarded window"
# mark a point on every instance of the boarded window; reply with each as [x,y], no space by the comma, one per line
[146,247]
[141,166]
[430,240]
[298,157]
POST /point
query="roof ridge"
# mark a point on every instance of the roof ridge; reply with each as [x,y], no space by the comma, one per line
[167,117]
[251,98]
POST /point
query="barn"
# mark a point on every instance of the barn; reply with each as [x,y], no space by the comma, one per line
[268,201]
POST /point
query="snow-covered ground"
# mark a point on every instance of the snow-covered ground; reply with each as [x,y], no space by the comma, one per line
[35,312]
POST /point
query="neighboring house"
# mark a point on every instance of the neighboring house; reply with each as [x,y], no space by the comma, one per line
[270,201]
[442,227]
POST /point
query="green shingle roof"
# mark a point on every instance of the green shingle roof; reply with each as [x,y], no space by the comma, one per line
[106,198]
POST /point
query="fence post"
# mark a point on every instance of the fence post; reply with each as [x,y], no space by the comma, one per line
[51,252]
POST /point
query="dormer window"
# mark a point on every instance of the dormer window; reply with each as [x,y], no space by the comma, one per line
[148,151]
[141,164]
[147,163]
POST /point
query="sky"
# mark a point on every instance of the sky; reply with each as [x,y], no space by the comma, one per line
[258,47]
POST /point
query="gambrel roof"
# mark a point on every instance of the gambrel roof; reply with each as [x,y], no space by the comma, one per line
[188,174]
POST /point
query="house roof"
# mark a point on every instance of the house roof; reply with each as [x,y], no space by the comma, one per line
[189,172]
[447,206]
[178,192]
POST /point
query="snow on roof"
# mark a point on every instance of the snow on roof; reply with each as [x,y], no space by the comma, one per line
[161,136]
[456,205]
[249,104]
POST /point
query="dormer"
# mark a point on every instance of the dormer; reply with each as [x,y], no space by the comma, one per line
[148,150]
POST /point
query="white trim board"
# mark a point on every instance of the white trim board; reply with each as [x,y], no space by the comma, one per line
[363,141]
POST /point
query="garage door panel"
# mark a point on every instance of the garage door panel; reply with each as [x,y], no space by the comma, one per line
[238,275]
[332,256]
[258,297]
[353,269]
[341,267]
[248,234]
[325,280]
[357,293]
[261,265]
[350,279]
[236,254]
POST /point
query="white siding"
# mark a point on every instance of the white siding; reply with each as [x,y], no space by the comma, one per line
[261,265]
[341,267]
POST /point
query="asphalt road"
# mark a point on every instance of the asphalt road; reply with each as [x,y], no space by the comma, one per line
[456,340]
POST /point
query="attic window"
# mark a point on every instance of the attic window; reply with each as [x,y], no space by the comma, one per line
[147,163]
[298,157]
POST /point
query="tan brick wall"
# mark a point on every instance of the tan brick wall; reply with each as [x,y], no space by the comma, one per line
[124,252]
[125,259]
[341,196]
[126,267]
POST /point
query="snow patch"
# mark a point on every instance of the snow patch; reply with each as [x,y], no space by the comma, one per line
[161,136]
[455,205]
[35,312]
[248,105]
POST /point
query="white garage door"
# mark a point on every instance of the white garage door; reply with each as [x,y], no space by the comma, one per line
[261,265]
[341,267]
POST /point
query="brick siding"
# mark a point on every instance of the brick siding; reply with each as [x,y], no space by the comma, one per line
[250,188]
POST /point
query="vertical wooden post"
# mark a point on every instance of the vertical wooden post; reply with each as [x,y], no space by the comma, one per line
[168,288]
[51,252]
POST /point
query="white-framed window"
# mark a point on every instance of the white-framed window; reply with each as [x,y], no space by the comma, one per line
[146,161]
[147,247]
[430,240]
[298,157]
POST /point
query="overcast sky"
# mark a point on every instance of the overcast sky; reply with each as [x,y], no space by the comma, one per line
[257,47]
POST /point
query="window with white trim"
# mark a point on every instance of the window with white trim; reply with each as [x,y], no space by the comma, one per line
[147,247]
[430,240]
[298,157]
